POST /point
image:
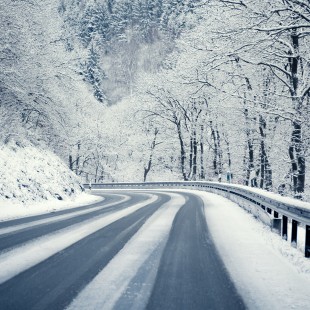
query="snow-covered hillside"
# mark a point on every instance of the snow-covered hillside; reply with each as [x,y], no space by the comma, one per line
[30,175]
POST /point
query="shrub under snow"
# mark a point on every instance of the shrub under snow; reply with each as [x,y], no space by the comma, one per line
[29,174]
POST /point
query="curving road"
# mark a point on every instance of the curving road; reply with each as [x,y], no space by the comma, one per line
[134,250]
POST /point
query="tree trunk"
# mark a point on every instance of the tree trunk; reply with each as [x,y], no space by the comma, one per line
[249,155]
[226,140]
[182,150]
[149,164]
[297,160]
[202,171]
[296,152]
[220,153]
[215,151]
[195,148]
[70,162]
[265,168]
[147,169]
[77,162]
[191,154]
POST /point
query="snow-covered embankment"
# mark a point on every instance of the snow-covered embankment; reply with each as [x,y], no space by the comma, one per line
[34,181]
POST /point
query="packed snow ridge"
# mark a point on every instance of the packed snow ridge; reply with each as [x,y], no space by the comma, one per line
[32,175]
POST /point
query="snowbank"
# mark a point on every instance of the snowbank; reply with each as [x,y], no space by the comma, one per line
[269,273]
[32,178]
[13,210]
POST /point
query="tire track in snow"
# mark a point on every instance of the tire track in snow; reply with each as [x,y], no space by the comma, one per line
[24,257]
[58,218]
[14,239]
[115,284]
[191,274]
[46,213]
[54,283]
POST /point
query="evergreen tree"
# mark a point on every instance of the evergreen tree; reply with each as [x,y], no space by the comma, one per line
[148,15]
[94,74]
[87,26]
[122,19]
[102,20]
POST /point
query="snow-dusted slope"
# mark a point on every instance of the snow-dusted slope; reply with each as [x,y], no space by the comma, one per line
[30,175]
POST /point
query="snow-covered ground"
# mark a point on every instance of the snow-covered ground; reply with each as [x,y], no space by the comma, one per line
[11,210]
[35,181]
[268,272]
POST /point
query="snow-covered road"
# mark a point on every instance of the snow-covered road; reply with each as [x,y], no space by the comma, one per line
[149,249]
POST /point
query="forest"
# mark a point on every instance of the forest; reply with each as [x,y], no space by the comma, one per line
[147,90]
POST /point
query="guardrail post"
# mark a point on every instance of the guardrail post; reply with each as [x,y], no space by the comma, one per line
[294,232]
[276,225]
[284,227]
[307,245]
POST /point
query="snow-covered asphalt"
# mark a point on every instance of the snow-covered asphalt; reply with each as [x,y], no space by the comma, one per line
[140,250]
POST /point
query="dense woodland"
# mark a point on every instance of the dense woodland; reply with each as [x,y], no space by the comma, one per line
[162,90]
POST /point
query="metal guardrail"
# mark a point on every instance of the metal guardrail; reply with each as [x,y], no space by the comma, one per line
[282,213]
